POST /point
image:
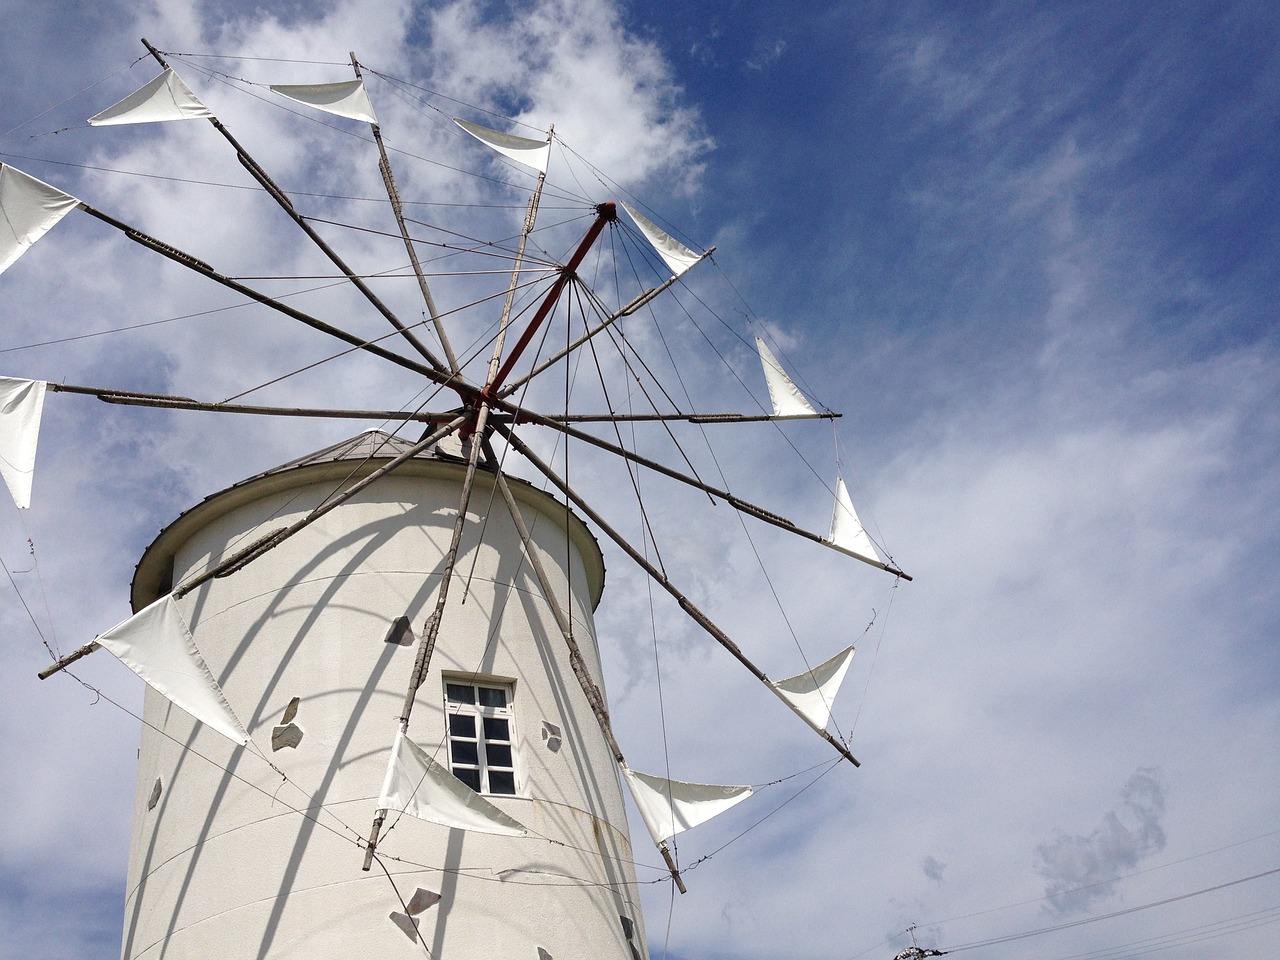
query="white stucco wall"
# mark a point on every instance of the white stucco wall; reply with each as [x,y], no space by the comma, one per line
[233,861]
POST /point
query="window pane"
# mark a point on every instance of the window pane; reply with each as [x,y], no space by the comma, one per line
[502,782]
[492,697]
[497,754]
[460,693]
[495,728]
[462,725]
[464,752]
[471,778]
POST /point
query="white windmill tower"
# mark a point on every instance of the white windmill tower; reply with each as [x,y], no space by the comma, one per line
[314,644]
[394,614]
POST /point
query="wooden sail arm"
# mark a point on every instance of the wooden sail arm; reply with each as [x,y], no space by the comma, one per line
[504,320]
[608,321]
[760,513]
[700,618]
[605,213]
[269,185]
[590,688]
[444,379]
[431,629]
[135,399]
[682,417]
[393,194]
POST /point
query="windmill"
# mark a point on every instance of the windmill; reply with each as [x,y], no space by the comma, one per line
[248,609]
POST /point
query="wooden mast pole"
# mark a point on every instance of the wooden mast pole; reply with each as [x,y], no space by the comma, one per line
[608,321]
[393,194]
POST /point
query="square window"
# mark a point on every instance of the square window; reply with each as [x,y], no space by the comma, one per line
[480,754]
[492,696]
[460,693]
[463,725]
[496,728]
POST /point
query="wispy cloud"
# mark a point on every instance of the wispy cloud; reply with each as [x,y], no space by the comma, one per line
[1079,869]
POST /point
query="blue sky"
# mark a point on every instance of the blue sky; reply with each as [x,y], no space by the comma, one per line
[1030,252]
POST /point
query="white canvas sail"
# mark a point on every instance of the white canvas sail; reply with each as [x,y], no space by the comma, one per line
[532,153]
[346,98]
[847,532]
[21,404]
[164,98]
[28,210]
[671,806]
[812,693]
[423,788]
[786,397]
[156,644]
[674,253]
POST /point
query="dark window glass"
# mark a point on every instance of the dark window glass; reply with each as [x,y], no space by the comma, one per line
[458,693]
[497,754]
[495,728]
[492,697]
[471,778]
[463,725]
[500,782]
[464,752]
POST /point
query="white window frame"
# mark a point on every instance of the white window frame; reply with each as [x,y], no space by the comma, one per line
[482,734]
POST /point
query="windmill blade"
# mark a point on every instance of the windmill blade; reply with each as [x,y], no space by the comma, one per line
[21,406]
[344,98]
[29,208]
[397,208]
[259,174]
[163,98]
[166,401]
[760,513]
[657,575]
[436,375]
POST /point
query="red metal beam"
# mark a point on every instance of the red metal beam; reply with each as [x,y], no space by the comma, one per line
[605,213]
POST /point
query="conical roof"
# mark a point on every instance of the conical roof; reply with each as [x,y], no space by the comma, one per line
[153,574]
[370,445]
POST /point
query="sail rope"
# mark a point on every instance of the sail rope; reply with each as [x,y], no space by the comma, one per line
[726,485]
[52,648]
[66,100]
[351,834]
[829,766]
[875,655]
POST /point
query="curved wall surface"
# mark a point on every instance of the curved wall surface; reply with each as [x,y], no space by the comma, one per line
[255,852]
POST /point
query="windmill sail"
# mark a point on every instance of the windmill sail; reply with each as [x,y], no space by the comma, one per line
[786,397]
[21,403]
[847,532]
[674,253]
[156,644]
[669,807]
[28,210]
[811,694]
[164,98]
[347,98]
[423,788]
[532,153]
